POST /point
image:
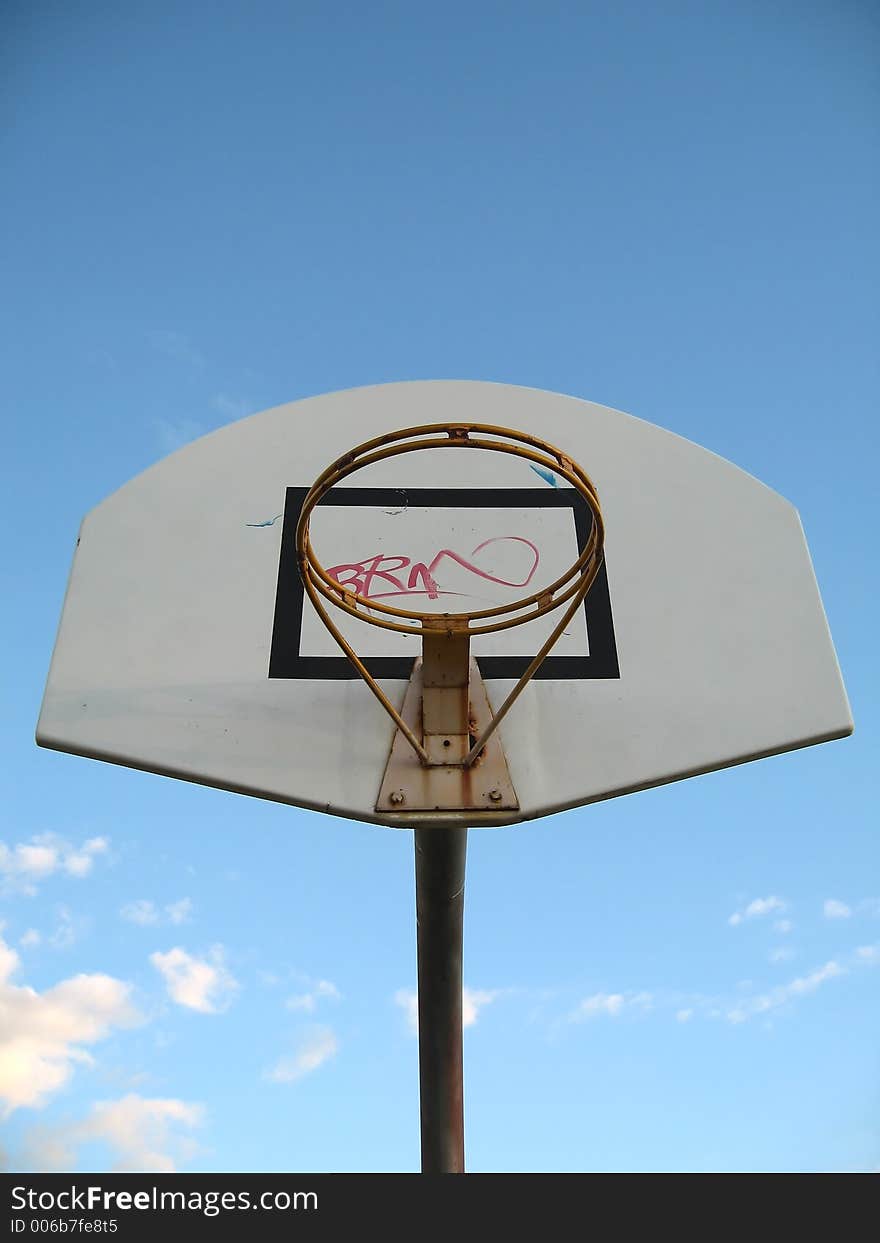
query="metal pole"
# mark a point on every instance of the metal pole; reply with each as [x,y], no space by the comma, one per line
[440,865]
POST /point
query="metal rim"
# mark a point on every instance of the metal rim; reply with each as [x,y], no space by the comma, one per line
[572,586]
[576,581]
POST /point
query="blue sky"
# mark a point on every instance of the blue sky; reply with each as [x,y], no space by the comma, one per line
[213,209]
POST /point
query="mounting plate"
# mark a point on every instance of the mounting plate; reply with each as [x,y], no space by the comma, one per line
[479,791]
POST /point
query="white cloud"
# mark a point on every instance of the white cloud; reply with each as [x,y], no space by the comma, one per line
[409,1004]
[600,1003]
[145,912]
[79,862]
[179,912]
[783,926]
[610,1005]
[142,911]
[30,938]
[144,1135]
[42,1034]
[66,930]
[323,990]
[868,953]
[833,909]
[785,993]
[809,983]
[9,962]
[202,984]
[684,1016]
[757,908]
[316,1048]
[34,862]
[472,1002]
[24,866]
[782,953]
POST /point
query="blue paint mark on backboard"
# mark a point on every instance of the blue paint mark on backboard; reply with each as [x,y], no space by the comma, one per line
[268,523]
[546,475]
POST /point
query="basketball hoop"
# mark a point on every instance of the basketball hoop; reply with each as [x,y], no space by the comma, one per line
[446,664]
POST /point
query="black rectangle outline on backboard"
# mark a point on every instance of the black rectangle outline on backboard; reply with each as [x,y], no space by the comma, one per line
[286,661]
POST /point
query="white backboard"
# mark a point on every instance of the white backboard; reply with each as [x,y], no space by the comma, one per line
[186,646]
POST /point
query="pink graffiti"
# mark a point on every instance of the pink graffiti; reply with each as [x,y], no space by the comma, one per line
[418,578]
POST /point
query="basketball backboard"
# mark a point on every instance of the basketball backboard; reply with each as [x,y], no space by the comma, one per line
[187,646]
